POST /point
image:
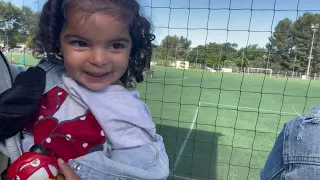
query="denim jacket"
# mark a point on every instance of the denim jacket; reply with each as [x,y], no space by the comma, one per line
[296,152]
[148,161]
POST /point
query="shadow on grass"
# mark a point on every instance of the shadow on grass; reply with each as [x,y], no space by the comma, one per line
[203,155]
[193,158]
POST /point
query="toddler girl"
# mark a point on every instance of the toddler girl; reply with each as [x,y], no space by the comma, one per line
[89,115]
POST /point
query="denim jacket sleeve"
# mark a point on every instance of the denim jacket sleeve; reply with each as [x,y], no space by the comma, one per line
[296,152]
[274,166]
[148,162]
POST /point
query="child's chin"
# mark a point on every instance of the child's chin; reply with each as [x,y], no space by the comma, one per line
[96,86]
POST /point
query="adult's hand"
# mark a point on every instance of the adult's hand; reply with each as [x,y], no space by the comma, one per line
[66,170]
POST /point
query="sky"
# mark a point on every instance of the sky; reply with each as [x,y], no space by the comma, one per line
[203,21]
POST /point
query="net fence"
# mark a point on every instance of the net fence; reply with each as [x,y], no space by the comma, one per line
[225,76]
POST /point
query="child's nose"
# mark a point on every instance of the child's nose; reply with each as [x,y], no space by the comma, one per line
[99,57]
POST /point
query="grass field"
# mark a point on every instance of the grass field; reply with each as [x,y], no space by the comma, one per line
[220,125]
[29,60]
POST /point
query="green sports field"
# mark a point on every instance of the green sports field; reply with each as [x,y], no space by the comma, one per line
[29,60]
[220,125]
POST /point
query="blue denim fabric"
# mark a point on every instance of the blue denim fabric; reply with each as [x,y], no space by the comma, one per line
[147,162]
[54,70]
[296,152]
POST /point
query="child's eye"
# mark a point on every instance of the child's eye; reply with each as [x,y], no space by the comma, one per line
[117,46]
[79,43]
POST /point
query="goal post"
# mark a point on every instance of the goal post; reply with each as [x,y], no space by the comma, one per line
[260,71]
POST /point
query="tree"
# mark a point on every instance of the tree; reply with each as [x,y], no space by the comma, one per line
[29,42]
[251,56]
[10,22]
[293,39]
[302,34]
[281,44]
[29,21]
[17,24]
[212,61]
[174,47]
[213,53]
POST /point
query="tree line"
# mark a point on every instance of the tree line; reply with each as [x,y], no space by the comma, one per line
[17,24]
[213,54]
[288,47]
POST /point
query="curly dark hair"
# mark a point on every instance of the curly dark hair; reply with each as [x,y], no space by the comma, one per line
[54,16]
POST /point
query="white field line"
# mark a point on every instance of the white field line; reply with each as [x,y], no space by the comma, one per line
[194,121]
[186,139]
[246,108]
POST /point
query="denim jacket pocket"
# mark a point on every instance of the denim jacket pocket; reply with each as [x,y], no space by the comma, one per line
[302,140]
[301,153]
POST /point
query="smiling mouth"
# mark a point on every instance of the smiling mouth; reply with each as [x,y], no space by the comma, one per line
[96,75]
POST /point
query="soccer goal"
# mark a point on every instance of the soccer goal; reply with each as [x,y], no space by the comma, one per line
[265,71]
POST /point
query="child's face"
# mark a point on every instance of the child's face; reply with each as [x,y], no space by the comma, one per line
[95,49]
